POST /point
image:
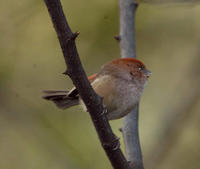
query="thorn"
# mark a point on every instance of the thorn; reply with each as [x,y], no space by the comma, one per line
[136,4]
[117,38]
[74,35]
[66,72]
[120,129]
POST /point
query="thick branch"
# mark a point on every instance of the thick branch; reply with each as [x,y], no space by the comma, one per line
[128,49]
[92,101]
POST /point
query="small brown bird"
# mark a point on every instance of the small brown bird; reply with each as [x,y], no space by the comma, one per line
[120,83]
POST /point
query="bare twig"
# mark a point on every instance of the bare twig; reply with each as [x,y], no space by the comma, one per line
[127,27]
[128,49]
[92,101]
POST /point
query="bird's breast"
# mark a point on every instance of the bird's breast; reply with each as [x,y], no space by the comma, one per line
[119,96]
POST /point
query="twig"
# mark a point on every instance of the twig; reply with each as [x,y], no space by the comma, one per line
[128,49]
[92,101]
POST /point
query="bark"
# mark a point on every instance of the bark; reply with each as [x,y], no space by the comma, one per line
[92,101]
[128,49]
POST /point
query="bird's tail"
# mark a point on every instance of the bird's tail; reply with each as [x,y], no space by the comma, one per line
[62,99]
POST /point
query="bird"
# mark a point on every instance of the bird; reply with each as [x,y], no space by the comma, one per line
[120,83]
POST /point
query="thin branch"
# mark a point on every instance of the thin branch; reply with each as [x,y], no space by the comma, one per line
[128,49]
[127,27]
[92,101]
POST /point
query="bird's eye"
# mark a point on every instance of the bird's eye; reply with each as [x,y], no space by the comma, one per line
[140,68]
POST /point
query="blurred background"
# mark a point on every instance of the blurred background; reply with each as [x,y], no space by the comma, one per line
[34,134]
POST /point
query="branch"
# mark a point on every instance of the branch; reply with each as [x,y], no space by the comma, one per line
[92,101]
[128,49]
[127,28]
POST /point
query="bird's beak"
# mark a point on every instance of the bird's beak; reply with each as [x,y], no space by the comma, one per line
[148,73]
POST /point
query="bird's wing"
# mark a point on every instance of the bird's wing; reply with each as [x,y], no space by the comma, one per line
[74,92]
[91,78]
